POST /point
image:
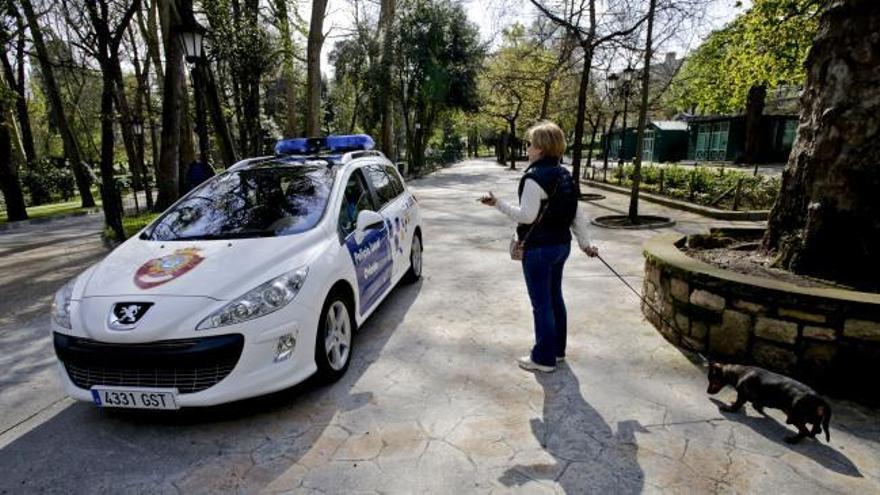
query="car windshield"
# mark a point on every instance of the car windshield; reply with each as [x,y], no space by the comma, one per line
[258,202]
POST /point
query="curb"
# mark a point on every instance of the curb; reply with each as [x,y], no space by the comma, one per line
[37,221]
[706,211]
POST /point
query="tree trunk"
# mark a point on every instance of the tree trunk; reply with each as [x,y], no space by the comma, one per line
[9,183]
[826,220]
[228,152]
[187,142]
[169,156]
[15,79]
[754,111]
[386,23]
[127,118]
[643,113]
[577,147]
[111,202]
[288,70]
[592,144]
[513,147]
[53,94]
[313,72]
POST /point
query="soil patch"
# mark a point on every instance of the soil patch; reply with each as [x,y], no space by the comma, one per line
[640,222]
[745,258]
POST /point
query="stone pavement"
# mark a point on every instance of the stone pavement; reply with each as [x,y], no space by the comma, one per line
[433,402]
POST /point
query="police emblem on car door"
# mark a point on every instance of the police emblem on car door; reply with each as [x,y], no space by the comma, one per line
[372,254]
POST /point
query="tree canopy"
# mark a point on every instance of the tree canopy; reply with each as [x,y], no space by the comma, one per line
[766,46]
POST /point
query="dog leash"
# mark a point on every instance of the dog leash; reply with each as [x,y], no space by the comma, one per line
[682,343]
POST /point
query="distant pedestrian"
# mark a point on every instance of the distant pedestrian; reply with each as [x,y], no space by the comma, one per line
[196,173]
[547,214]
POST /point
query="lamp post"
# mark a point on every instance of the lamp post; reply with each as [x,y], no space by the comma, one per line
[137,127]
[611,82]
[627,76]
[192,36]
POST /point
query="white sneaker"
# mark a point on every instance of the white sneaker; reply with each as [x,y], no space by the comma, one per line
[526,363]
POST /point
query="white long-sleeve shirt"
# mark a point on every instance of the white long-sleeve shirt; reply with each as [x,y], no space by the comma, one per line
[530,205]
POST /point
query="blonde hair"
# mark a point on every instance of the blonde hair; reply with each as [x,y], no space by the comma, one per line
[547,137]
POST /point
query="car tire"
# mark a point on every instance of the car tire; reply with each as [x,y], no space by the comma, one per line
[415,261]
[335,339]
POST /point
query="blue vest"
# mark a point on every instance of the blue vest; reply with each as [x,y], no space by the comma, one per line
[561,207]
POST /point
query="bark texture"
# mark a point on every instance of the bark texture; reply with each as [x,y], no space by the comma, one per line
[643,113]
[754,112]
[313,76]
[826,221]
[9,183]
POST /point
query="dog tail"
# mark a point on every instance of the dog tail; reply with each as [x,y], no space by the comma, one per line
[825,411]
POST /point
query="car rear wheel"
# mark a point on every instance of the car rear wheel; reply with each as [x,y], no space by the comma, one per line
[415,261]
[333,346]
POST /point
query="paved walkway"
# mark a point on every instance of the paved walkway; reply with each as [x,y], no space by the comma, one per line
[433,401]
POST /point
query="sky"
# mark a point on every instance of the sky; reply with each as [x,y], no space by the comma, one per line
[494,15]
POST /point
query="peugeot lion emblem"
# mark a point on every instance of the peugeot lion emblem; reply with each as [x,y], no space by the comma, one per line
[126,315]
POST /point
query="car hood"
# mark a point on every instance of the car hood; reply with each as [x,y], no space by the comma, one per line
[219,269]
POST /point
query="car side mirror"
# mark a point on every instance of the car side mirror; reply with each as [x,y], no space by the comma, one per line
[367,220]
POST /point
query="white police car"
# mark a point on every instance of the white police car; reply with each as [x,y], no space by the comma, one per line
[249,284]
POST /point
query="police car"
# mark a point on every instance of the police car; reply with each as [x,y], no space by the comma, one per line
[249,284]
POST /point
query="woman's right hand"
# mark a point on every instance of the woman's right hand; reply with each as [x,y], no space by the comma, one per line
[489,200]
[591,251]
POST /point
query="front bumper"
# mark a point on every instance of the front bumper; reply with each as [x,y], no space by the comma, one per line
[205,370]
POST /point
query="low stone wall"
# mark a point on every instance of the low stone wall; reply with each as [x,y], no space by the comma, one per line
[828,338]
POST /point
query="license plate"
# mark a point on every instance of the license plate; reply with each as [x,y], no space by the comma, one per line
[135,398]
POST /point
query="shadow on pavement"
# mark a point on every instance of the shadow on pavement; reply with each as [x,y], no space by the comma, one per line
[589,457]
[775,431]
[239,447]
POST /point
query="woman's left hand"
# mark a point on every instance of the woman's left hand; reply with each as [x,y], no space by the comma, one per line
[489,200]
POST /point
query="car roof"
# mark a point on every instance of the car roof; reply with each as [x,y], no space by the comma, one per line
[335,161]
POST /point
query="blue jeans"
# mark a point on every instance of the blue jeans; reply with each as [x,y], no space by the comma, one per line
[542,267]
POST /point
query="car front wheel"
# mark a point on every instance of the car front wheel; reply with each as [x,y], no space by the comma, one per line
[415,261]
[334,344]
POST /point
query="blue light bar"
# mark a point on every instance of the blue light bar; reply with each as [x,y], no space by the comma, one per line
[336,144]
[352,142]
[294,146]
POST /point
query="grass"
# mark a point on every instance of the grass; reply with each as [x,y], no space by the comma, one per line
[54,209]
[131,225]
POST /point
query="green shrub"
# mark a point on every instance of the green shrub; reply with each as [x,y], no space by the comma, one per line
[131,224]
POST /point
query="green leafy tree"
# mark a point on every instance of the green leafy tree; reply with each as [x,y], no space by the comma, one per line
[439,57]
[765,47]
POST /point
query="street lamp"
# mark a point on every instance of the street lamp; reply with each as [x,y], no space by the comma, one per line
[192,36]
[627,76]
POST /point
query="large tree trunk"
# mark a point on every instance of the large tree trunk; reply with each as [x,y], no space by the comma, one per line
[826,220]
[9,184]
[754,112]
[513,146]
[53,94]
[288,70]
[313,70]
[386,23]
[167,170]
[643,113]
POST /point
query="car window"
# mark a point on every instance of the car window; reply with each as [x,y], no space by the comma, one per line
[395,179]
[355,199]
[381,183]
[262,202]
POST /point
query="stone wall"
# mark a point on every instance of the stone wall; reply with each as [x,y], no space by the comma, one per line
[828,338]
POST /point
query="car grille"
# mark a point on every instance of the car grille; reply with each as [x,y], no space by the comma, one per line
[190,365]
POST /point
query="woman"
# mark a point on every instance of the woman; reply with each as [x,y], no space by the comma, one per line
[548,212]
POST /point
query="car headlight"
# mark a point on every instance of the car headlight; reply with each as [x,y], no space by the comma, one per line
[61,305]
[260,301]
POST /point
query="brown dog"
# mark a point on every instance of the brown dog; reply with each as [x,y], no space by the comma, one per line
[767,389]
